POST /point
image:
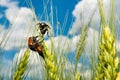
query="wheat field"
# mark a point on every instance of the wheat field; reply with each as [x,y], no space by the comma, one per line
[101,63]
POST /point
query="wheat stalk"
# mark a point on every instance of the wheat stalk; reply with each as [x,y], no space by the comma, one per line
[22,66]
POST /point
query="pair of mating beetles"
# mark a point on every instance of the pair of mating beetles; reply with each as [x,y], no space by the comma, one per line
[34,43]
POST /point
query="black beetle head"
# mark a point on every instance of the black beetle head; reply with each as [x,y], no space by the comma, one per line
[43,25]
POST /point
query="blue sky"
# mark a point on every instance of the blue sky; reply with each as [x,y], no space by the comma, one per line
[62,8]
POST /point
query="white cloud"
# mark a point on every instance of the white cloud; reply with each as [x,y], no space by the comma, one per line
[92,40]
[2,32]
[19,15]
[62,42]
[12,13]
[8,3]
[22,27]
[59,43]
[83,11]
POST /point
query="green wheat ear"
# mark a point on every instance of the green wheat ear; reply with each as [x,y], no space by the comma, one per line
[80,46]
[22,66]
[107,68]
[49,63]
[107,60]
[79,50]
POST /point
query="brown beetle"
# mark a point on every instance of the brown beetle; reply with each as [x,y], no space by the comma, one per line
[34,45]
